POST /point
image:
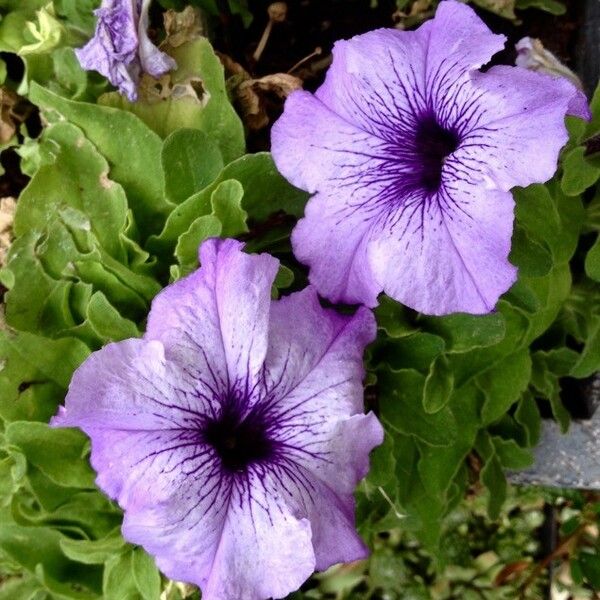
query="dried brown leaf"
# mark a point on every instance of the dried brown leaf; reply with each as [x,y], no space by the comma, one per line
[252,96]
[184,26]
[8,207]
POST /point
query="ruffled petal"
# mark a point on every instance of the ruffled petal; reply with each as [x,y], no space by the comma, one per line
[265,548]
[378,100]
[415,70]
[335,248]
[183,527]
[313,146]
[113,49]
[217,317]
[130,386]
[141,413]
[302,359]
[449,256]
[459,42]
[520,125]
[121,49]
[315,372]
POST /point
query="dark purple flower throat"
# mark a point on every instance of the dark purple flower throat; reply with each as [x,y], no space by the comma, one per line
[433,143]
[239,440]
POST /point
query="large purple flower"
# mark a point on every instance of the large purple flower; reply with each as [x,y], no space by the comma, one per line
[411,153]
[121,49]
[233,433]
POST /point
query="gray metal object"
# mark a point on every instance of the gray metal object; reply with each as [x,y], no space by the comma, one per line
[588,55]
[569,461]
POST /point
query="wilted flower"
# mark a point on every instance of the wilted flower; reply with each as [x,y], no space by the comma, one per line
[121,49]
[233,433]
[532,55]
[411,153]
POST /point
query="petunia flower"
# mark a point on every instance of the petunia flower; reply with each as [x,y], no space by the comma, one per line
[233,433]
[121,49]
[411,153]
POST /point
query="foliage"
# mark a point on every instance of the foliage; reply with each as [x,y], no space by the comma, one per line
[416,10]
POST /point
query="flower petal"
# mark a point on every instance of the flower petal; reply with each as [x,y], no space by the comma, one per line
[335,248]
[415,70]
[135,406]
[316,372]
[451,256]
[218,316]
[521,125]
[153,61]
[265,548]
[459,42]
[313,146]
[113,49]
[129,385]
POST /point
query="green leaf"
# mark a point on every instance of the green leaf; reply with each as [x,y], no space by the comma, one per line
[401,407]
[26,588]
[590,566]
[528,416]
[438,385]
[589,360]
[284,278]
[532,258]
[438,467]
[503,8]
[394,318]
[65,464]
[106,322]
[463,332]
[187,247]
[78,178]
[50,271]
[115,133]
[551,6]
[118,582]
[191,160]
[211,111]
[382,462]
[579,171]
[265,192]
[550,217]
[415,351]
[32,547]
[492,475]
[93,552]
[78,13]
[592,261]
[226,202]
[511,455]
[576,571]
[52,360]
[145,575]
[503,384]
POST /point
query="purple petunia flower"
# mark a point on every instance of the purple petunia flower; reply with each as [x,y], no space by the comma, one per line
[233,433]
[121,49]
[411,153]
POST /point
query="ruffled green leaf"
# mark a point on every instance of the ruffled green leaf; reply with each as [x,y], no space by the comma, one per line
[195,97]
[401,409]
[114,133]
[191,160]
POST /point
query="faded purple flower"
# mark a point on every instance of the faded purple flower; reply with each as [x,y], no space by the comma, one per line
[411,153]
[233,433]
[121,49]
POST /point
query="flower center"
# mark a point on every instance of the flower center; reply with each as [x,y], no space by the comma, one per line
[433,144]
[238,442]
